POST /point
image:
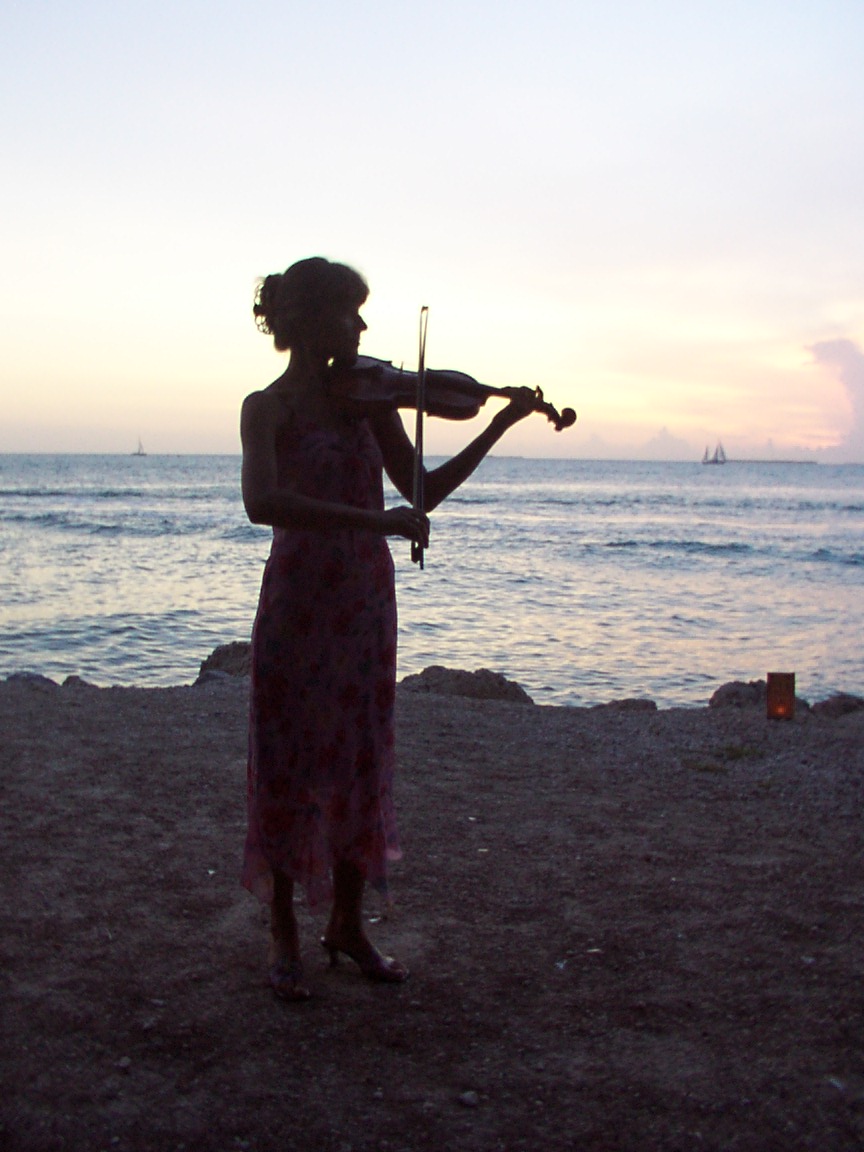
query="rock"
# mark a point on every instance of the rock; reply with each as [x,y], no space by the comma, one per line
[479,685]
[753,694]
[77,682]
[737,694]
[233,659]
[34,679]
[838,705]
[214,676]
[632,704]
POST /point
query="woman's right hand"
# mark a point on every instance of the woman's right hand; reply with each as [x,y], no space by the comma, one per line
[408,522]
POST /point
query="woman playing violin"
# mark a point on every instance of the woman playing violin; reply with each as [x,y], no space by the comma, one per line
[321,755]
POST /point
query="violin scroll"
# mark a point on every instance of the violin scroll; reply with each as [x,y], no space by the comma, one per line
[566,418]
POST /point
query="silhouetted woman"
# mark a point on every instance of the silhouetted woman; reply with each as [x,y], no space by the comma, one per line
[321,756]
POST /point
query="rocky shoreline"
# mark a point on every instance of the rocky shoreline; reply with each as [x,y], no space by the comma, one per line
[232,660]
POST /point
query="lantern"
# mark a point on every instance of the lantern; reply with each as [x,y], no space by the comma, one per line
[781,695]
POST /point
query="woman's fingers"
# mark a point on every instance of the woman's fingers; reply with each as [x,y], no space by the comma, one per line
[523,401]
[419,528]
[408,522]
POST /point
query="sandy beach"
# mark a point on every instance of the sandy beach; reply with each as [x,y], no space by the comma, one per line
[627,929]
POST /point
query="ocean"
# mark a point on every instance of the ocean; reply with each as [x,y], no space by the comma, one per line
[585,581]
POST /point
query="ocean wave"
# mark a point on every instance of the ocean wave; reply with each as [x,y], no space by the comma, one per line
[245,532]
[687,546]
[77,495]
[832,556]
[35,519]
[134,525]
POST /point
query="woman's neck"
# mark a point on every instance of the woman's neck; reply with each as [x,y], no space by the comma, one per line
[304,374]
[303,386]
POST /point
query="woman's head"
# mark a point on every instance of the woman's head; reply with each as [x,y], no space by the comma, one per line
[288,304]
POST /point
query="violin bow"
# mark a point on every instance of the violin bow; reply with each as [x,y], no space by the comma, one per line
[418,501]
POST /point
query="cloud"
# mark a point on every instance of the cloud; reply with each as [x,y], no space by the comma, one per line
[665,446]
[846,360]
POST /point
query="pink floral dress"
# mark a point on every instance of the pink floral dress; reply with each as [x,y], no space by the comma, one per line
[321,755]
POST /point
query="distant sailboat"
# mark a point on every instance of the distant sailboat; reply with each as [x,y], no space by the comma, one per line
[139,451]
[719,456]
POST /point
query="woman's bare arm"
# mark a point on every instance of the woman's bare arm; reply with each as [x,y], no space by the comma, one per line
[398,452]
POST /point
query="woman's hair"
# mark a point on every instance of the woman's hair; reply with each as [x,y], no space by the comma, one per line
[308,288]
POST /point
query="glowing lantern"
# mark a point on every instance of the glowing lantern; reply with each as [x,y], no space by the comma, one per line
[781,695]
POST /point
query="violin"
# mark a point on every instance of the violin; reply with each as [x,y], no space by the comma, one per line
[369,386]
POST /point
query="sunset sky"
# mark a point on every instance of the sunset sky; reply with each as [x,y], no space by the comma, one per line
[650,209]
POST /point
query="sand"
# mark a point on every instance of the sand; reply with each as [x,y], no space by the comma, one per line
[626,930]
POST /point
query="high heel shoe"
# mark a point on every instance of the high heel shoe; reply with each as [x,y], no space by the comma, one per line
[373,965]
[286,980]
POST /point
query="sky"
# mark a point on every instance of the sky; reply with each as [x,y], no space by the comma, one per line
[652,210]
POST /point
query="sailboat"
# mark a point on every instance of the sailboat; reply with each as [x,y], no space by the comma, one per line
[719,456]
[139,451]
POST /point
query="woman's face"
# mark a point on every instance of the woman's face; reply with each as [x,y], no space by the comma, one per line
[337,333]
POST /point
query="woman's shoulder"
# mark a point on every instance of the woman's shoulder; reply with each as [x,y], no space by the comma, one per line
[264,412]
[269,401]
[264,397]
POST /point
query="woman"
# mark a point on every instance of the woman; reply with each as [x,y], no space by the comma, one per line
[320,773]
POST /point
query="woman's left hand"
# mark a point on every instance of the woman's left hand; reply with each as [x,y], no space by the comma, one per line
[523,401]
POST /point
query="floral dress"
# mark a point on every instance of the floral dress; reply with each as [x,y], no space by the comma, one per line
[321,754]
